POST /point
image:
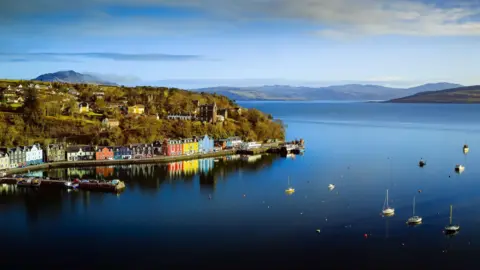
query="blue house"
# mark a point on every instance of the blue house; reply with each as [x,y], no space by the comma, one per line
[122,152]
[205,144]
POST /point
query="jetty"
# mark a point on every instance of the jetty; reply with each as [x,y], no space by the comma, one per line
[115,186]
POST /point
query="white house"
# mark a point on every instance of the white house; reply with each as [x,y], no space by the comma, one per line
[4,161]
[34,155]
[75,153]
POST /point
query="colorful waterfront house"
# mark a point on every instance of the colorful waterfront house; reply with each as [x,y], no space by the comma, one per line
[75,153]
[205,165]
[190,146]
[142,150]
[34,155]
[55,152]
[157,148]
[4,160]
[205,144]
[103,153]
[122,152]
[232,142]
[17,156]
[172,147]
[136,109]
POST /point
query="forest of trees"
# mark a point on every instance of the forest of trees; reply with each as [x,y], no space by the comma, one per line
[52,115]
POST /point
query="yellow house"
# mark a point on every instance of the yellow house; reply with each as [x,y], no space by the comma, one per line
[136,109]
[83,107]
[190,146]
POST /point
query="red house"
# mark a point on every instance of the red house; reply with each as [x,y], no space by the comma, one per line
[103,153]
[172,147]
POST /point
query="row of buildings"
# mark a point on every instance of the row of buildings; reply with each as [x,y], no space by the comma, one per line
[22,156]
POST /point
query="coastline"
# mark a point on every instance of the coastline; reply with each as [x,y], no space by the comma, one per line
[157,159]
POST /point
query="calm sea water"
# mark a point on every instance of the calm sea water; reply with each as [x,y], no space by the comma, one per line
[234,214]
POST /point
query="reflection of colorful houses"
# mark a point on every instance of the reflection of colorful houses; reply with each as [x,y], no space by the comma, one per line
[175,168]
[190,146]
[103,153]
[104,171]
[205,165]
[190,167]
[80,173]
[172,147]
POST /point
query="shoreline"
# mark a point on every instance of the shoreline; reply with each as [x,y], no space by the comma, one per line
[86,163]
[157,159]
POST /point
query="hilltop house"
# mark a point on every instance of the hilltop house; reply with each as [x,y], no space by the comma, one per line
[223,112]
[205,144]
[4,160]
[75,153]
[179,117]
[103,153]
[122,152]
[136,109]
[208,113]
[34,155]
[110,123]
[55,152]
[99,95]
[83,107]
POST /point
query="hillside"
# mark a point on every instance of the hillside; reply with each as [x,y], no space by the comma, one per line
[70,76]
[46,112]
[469,94]
[337,92]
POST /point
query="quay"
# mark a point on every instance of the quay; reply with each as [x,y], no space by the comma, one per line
[92,185]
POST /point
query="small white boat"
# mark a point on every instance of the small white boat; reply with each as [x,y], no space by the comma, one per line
[331,186]
[387,210]
[451,228]
[465,149]
[459,168]
[290,189]
[414,219]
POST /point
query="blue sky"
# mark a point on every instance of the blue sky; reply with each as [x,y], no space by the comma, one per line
[248,42]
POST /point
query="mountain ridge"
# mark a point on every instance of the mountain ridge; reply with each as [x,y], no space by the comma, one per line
[70,76]
[464,94]
[334,92]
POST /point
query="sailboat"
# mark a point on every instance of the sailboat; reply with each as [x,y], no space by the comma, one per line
[451,229]
[414,219]
[387,210]
[465,148]
[290,189]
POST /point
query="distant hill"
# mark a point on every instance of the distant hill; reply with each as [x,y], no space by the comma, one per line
[70,76]
[338,92]
[469,94]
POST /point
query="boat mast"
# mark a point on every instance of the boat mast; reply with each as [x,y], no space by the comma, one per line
[450,214]
[387,199]
[413,205]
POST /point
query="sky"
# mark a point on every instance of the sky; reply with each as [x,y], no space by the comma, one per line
[244,42]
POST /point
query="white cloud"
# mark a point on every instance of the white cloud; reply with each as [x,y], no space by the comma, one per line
[335,18]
